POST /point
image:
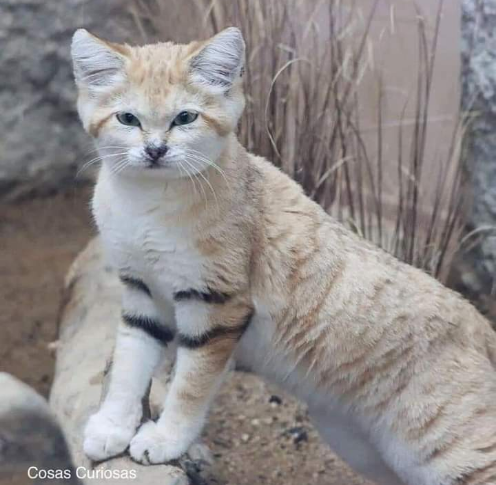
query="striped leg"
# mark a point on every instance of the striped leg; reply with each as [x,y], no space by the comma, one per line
[141,338]
[209,326]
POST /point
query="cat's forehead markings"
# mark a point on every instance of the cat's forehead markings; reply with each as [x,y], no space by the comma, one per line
[158,75]
[160,63]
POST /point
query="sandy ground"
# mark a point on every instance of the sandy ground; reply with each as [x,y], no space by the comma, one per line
[257,434]
[260,436]
[38,240]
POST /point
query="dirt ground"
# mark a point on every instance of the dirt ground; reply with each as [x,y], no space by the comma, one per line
[257,435]
[260,436]
[38,240]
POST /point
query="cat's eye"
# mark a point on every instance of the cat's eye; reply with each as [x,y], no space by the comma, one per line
[128,119]
[184,118]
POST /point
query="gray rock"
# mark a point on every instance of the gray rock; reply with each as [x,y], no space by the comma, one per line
[29,434]
[41,140]
[479,97]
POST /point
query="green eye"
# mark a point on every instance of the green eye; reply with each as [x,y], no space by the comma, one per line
[184,118]
[128,119]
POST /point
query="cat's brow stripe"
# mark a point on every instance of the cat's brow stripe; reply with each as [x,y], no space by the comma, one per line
[136,284]
[198,341]
[210,296]
[221,129]
[95,128]
[151,326]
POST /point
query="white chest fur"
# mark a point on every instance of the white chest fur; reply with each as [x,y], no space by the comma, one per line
[138,241]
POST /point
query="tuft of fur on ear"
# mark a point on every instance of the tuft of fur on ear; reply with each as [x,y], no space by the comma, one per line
[220,63]
[96,64]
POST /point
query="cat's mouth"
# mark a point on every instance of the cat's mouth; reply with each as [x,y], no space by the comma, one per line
[156,165]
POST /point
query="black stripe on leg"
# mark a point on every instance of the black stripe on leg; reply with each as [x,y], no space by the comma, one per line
[151,326]
[197,341]
[209,296]
[136,284]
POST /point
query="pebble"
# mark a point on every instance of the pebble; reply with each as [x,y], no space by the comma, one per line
[298,433]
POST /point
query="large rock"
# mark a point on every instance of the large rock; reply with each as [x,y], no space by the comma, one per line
[41,140]
[479,98]
[30,438]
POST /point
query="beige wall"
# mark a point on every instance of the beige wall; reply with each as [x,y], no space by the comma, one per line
[391,67]
[395,36]
[394,58]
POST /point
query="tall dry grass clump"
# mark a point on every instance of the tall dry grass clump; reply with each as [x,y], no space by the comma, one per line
[306,63]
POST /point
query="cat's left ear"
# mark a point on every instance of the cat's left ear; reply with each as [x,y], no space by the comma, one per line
[97,64]
[220,63]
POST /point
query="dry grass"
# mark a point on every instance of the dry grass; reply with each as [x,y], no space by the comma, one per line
[306,62]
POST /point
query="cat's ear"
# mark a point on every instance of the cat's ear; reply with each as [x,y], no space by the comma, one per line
[97,64]
[220,63]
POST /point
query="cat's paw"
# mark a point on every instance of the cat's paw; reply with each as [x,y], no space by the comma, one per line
[106,436]
[155,443]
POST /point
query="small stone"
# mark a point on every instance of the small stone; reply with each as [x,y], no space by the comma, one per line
[245,438]
[298,433]
[255,422]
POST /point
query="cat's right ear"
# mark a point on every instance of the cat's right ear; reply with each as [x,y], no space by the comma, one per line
[220,63]
[97,64]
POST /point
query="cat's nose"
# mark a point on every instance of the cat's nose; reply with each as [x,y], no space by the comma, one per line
[156,152]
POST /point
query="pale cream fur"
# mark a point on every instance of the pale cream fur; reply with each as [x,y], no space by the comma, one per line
[364,339]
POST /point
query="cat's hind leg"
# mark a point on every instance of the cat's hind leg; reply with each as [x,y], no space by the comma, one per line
[350,444]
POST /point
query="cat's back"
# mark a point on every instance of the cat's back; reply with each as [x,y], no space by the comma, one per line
[407,360]
[359,296]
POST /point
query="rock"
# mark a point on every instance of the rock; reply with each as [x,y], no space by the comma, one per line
[30,437]
[299,434]
[42,142]
[479,97]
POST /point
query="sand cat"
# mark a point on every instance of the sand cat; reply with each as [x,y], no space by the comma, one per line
[224,258]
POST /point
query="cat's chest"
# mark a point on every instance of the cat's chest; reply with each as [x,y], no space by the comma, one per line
[143,246]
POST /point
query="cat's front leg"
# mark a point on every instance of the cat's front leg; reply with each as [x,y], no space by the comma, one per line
[141,337]
[208,332]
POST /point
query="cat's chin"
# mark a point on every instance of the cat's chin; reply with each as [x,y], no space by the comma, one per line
[153,173]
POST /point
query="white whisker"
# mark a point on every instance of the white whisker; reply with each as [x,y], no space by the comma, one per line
[194,174]
[119,167]
[204,178]
[202,158]
[182,168]
[96,160]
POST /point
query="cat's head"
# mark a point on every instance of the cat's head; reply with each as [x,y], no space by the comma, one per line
[163,109]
